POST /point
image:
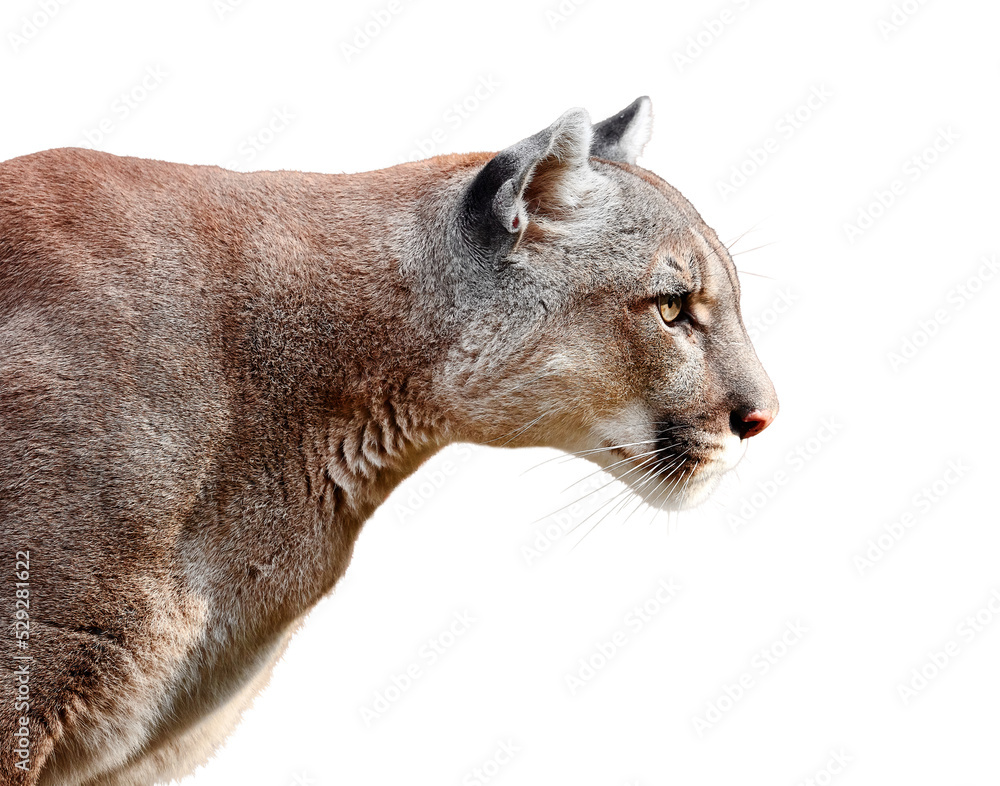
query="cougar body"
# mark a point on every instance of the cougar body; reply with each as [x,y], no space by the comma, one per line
[209,380]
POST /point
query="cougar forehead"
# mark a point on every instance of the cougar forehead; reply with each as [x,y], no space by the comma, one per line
[632,233]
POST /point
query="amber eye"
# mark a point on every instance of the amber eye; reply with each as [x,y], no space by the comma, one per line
[670,307]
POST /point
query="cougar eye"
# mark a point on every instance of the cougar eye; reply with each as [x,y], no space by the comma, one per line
[670,307]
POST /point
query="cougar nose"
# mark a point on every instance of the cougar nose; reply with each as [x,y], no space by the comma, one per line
[747,423]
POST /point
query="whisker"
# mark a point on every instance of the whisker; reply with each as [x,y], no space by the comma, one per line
[593,491]
[742,235]
[566,456]
[581,453]
[648,478]
[617,463]
[521,430]
[758,275]
[688,481]
[675,467]
[668,491]
[626,490]
[755,248]
[610,467]
[632,494]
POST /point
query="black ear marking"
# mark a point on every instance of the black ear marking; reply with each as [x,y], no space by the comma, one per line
[493,214]
[622,137]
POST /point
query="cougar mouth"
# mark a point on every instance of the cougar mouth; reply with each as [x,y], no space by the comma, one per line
[677,470]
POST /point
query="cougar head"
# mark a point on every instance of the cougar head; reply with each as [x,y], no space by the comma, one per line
[597,313]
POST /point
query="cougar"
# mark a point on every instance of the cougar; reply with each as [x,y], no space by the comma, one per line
[209,380]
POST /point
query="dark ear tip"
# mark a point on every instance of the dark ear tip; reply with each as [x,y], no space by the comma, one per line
[628,114]
[622,136]
[636,106]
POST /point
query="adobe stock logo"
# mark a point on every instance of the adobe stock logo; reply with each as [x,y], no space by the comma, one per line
[33,24]
[921,504]
[610,646]
[559,14]
[224,8]
[970,628]
[914,168]
[489,769]
[796,460]
[594,497]
[710,31]
[434,142]
[760,323]
[255,143]
[123,106]
[366,32]
[785,127]
[835,765]
[429,654]
[736,691]
[955,301]
[900,15]
[431,478]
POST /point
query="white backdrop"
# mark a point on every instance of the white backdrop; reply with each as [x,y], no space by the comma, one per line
[834,613]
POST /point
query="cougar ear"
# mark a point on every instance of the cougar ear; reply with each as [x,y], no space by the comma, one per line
[554,163]
[623,136]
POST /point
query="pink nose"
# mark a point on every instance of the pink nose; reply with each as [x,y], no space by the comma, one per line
[755,422]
